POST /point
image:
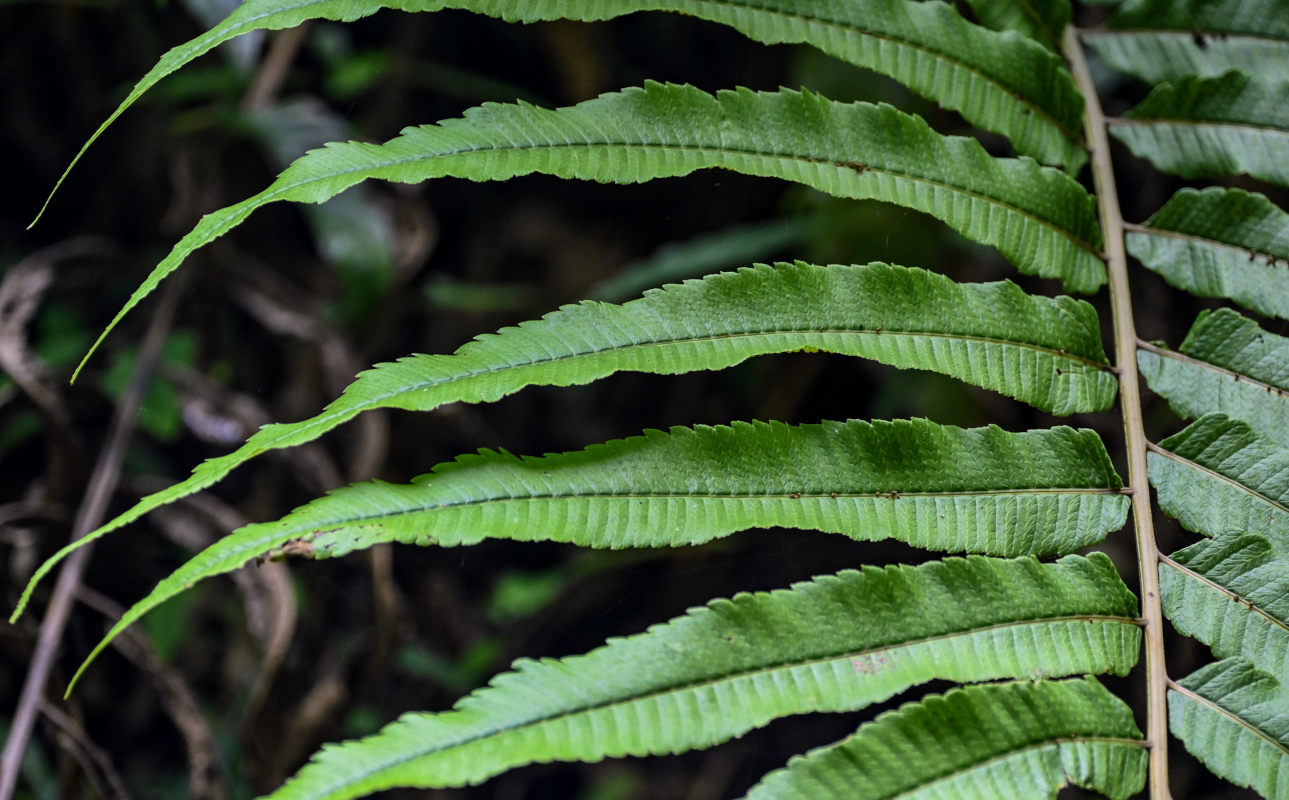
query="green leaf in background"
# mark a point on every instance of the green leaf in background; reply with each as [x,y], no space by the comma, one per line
[1219,243]
[703,255]
[160,412]
[1210,127]
[1044,21]
[1022,740]
[1228,365]
[836,643]
[353,232]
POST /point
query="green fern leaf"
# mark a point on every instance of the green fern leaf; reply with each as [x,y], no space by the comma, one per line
[1219,243]
[1227,364]
[1209,127]
[1163,40]
[836,643]
[1235,719]
[934,486]
[1046,352]
[998,83]
[1232,593]
[1044,21]
[978,743]
[1038,217]
[1218,475]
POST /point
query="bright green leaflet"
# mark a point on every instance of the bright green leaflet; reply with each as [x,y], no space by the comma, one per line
[1041,20]
[999,83]
[1235,719]
[836,643]
[1232,593]
[1023,740]
[1227,364]
[1161,40]
[934,486]
[1046,352]
[1219,475]
[1038,217]
[1209,127]
[1220,243]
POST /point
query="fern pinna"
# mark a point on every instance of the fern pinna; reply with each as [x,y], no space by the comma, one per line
[1023,635]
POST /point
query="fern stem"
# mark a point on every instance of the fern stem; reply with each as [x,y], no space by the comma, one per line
[1125,350]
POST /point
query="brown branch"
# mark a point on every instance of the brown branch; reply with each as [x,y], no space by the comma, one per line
[268,80]
[1125,346]
[96,764]
[205,778]
[103,481]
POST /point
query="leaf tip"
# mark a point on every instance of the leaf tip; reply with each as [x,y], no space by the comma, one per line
[92,349]
[30,588]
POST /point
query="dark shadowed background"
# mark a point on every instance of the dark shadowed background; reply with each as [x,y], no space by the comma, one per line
[226,690]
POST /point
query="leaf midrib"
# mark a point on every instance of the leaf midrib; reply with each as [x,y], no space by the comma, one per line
[1200,700]
[272,195]
[1211,35]
[780,496]
[1245,602]
[1055,741]
[1185,358]
[377,401]
[1196,123]
[746,674]
[1252,492]
[256,546]
[1215,244]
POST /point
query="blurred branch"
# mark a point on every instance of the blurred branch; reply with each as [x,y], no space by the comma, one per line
[22,291]
[205,781]
[91,757]
[103,482]
[272,73]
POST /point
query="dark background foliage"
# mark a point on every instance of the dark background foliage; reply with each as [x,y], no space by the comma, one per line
[275,319]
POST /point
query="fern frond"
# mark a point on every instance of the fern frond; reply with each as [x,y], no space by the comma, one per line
[1163,40]
[1044,21]
[934,486]
[998,83]
[1046,352]
[1218,475]
[1235,719]
[1210,127]
[1229,365]
[1022,740]
[1232,593]
[1038,217]
[1219,243]
[836,643]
